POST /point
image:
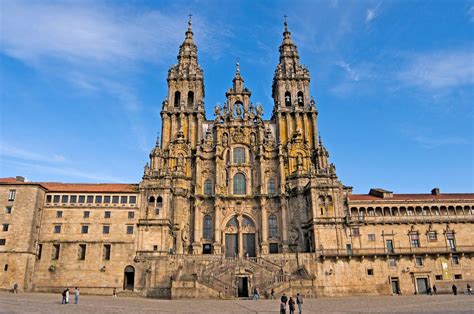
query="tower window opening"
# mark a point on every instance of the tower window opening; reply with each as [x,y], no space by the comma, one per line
[300,99]
[177,99]
[288,99]
[190,99]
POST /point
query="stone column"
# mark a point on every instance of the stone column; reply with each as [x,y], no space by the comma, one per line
[217,230]
[315,129]
[240,236]
[197,230]
[284,223]
[264,227]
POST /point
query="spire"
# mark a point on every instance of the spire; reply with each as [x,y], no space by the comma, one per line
[238,80]
[189,32]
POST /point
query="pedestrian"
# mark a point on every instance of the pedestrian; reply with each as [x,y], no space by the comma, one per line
[67,296]
[255,293]
[299,301]
[435,290]
[469,289]
[15,288]
[272,294]
[64,297]
[282,308]
[76,295]
[114,293]
[428,291]
[455,290]
[291,303]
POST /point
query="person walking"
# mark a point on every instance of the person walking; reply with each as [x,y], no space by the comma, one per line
[64,297]
[283,301]
[67,296]
[15,288]
[291,304]
[76,295]
[469,289]
[114,293]
[272,294]
[455,290]
[299,301]
[428,291]
[435,290]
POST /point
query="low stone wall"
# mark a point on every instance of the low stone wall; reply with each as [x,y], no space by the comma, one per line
[192,290]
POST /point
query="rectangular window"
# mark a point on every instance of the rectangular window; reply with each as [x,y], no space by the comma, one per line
[432,236]
[107,214]
[129,229]
[371,237]
[48,198]
[439,277]
[40,251]
[8,210]
[5,268]
[86,214]
[370,272]
[457,276]
[57,229]
[355,232]
[155,247]
[239,155]
[106,252]
[418,261]
[56,199]
[55,252]
[11,195]
[392,262]
[3,241]
[85,229]
[115,199]
[455,259]
[5,227]
[105,229]
[64,198]
[90,199]
[123,200]
[273,248]
[107,199]
[157,211]
[415,240]
[82,199]
[82,252]
[131,215]
[98,199]
[73,199]
[59,214]
[132,199]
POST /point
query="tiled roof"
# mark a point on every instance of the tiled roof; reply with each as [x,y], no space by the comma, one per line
[79,187]
[413,197]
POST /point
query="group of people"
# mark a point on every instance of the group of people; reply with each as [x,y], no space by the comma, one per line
[284,302]
[65,295]
[468,289]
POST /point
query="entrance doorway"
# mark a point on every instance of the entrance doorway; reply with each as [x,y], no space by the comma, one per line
[395,285]
[242,287]
[422,285]
[249,244]
[129,278]
[231,245]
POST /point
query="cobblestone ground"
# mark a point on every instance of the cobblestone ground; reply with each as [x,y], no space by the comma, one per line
[51,303]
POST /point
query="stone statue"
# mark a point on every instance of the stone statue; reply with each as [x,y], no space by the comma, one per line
[225,140]
[252,139]
[238,111]
[299,162]
[250,113]
[217,112]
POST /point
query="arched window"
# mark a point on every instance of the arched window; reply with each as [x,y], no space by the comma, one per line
[208,187]
[207,227]
[271,186]
[272,226]
[288,99]
[151,200]
[177,99]
[239,155]
[239,184]
[190,99]
[300,98]
[159,201]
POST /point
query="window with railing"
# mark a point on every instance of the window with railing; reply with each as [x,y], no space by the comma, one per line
[415,240]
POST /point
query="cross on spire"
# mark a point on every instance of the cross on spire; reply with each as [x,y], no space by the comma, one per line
[285,23]
[190,21]
[237,66]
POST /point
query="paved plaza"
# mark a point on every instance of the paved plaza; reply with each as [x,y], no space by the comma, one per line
[51,303]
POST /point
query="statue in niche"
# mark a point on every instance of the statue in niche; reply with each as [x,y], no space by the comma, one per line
[252,139]
[180,164]
[209,139]
[251,114]
[238,111]
[299,162]
[225,140]
[217,112]
[268,136]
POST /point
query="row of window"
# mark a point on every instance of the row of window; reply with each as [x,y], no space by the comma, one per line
[177,99]
[81,251]
[90,199]
[208,229]
[86,214]
[414,236]
[85,229]
[410,211]
[299,96]
[419,261]
[239,185]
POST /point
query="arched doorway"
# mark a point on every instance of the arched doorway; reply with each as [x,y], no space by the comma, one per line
[129,278]
[240,239]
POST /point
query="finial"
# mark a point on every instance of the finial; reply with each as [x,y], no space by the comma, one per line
[320,141]
[237,66]
[157,144]
[285,23]
[189,21]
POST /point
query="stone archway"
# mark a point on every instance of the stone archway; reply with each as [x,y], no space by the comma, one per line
[129,278]
[240,237]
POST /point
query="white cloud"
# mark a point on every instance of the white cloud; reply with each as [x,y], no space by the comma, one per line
[440,70]
[372,13]
[426,139]
[20,153]
[353,75]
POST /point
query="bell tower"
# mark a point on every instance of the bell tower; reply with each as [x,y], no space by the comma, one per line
[294,109]
[183,109]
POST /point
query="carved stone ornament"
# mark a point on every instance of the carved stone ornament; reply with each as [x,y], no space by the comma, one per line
[239,136]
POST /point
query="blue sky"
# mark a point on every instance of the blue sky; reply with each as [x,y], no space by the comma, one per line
[81,83]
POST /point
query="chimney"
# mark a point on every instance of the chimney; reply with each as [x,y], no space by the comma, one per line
[20,179]
[435,191]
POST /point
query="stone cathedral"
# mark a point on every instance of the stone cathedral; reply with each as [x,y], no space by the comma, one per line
[231,204]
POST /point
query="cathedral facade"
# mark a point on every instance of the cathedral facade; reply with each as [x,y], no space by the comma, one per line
[231,204]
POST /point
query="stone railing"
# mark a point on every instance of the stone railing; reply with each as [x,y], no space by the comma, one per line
[395,251]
